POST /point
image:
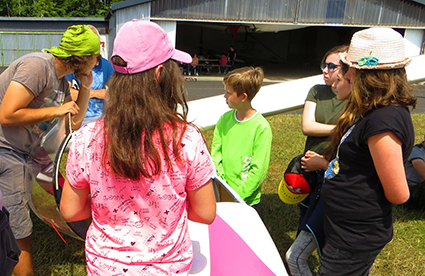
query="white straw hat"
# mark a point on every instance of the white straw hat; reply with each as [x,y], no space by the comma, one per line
[376,48]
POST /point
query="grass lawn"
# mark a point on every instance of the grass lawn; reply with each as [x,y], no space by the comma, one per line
[404,255]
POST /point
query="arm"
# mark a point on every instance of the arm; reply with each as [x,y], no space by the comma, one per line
[216,148]
[309,125]
[312,161]
[73,91]
[75,204]
[82,99]
[419,166]
[387,156]
[14,111]
[97,93]
[202,206]
[258,168]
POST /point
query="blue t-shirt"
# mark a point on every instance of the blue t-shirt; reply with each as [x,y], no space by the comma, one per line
[101,73]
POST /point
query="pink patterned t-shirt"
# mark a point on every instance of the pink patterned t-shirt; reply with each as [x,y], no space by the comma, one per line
[138,227]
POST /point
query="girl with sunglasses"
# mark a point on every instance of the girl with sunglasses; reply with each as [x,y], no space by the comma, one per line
[322,108]
[321,111]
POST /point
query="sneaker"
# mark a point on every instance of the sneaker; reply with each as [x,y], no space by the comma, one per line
[197,74]
[190,74]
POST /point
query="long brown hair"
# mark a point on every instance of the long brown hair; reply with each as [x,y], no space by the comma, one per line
[371,89]
[136,113]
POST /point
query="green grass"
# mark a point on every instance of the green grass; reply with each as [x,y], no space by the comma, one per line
[404,255]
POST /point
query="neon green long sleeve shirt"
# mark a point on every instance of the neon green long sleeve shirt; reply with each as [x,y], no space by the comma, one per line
[241,153]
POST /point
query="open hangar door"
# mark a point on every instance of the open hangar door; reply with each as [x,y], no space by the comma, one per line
[277,45]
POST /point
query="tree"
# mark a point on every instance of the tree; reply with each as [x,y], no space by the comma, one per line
[17,7]
[55,8]
[48,8]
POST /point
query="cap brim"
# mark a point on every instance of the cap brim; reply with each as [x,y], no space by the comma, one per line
[396,65]
[287,196]
[181,56]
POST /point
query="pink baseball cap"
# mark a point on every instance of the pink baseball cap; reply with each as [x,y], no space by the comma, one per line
[144,45]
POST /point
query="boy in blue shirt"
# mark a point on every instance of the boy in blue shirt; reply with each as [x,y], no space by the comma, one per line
[102,71]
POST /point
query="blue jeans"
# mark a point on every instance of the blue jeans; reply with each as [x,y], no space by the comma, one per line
[195,69]
[335,261]
[232,63]
[297,254]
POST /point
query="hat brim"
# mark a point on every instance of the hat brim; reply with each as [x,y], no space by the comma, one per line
[181,56]
[396,65]
[287,196]
[178,55]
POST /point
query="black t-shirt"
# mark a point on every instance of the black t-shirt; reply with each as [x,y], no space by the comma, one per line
[358,215]
[232,54]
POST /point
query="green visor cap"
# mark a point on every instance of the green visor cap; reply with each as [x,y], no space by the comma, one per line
[78,40]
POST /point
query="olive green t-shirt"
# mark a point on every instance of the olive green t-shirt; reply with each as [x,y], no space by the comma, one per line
[328,109]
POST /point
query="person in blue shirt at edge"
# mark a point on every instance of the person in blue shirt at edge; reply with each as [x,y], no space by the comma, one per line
[101,74]
[415,174]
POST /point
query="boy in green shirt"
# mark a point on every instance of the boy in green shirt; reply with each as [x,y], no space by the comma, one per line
[242,137]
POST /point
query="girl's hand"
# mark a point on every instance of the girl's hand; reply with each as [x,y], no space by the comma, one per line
[312,161]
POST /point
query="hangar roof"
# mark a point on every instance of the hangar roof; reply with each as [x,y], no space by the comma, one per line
[359,13]
[391,13]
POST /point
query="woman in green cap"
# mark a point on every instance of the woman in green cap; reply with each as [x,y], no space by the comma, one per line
[24,85]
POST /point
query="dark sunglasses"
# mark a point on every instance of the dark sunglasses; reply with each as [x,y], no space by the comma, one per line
[331,66]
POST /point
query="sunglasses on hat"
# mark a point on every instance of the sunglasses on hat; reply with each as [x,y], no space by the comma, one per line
[331,66]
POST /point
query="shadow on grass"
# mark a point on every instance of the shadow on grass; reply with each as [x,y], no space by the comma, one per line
[52,256]
[403,214]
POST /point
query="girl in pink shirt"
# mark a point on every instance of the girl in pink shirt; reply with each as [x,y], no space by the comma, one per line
[142,170]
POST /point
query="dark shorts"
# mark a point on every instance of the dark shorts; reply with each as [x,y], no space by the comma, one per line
[9,248]
[16,184]
[340,262]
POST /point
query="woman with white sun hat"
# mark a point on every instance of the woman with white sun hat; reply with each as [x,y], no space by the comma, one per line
[369,145]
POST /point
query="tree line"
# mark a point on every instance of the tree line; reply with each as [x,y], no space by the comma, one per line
[55,8]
